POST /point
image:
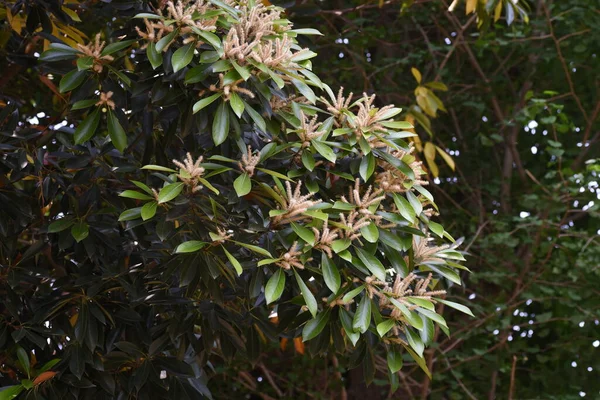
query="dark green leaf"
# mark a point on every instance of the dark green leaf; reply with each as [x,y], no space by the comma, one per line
[116,132]
[362,317]
[274,287]
[331,275]
[71,80]
[372,263]
[220,126]
[86,129]
[80,231]
[315,326]
[309,299]
[182,57]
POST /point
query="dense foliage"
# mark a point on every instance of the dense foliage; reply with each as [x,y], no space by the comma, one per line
[189,187]
[504,99]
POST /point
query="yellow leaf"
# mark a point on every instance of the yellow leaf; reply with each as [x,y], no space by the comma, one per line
[429,151]
[446,158]
[15,21]
[498,11]
[433,168]
[71,13]
[471,5]
[73,319]
[417,74]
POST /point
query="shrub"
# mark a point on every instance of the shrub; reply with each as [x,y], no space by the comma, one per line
[197,189]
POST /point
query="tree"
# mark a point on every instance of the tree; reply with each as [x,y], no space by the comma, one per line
[187,186]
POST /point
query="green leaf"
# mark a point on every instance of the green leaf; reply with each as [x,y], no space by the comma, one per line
[412,318]
[84,63]
[274,287]
[404,208]
[87,128]
[71,80]
[48,365]
[24,360]
[456,306]
[353,293]
[158,168]
[414,340]
[118,46]
[306,31]
[236,264]
[27,383]
[304,233]
[132,194]
[242,70]
[200,104]
[211,38]
[433,316]
[162,43]
[10,392]
[394,360]
[256,117]
[190,246]
[372,263]
[362,317]
[308,160]
[81,104]
[346,321]
[143,186]
[116,132]
[436,228]
[236,103]
[256,249]
[309,299]
[340,245]
[324,150]
[367,166]
[315,326]
[242,184]
[385,326]
[148,16]
[132,213]
[80,231]
[419,360]
[154,56]
[149,210]
[421,303]
[428,330]
[305,90]
[220,126]
[60,225]
[370,233]
[331,275]
[415,203]
[182,57]
[169,192]
[397,124]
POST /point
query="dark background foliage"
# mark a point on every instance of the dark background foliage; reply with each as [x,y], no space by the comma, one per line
[523,194]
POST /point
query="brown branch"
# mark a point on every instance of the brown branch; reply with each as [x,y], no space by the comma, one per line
[511,391]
